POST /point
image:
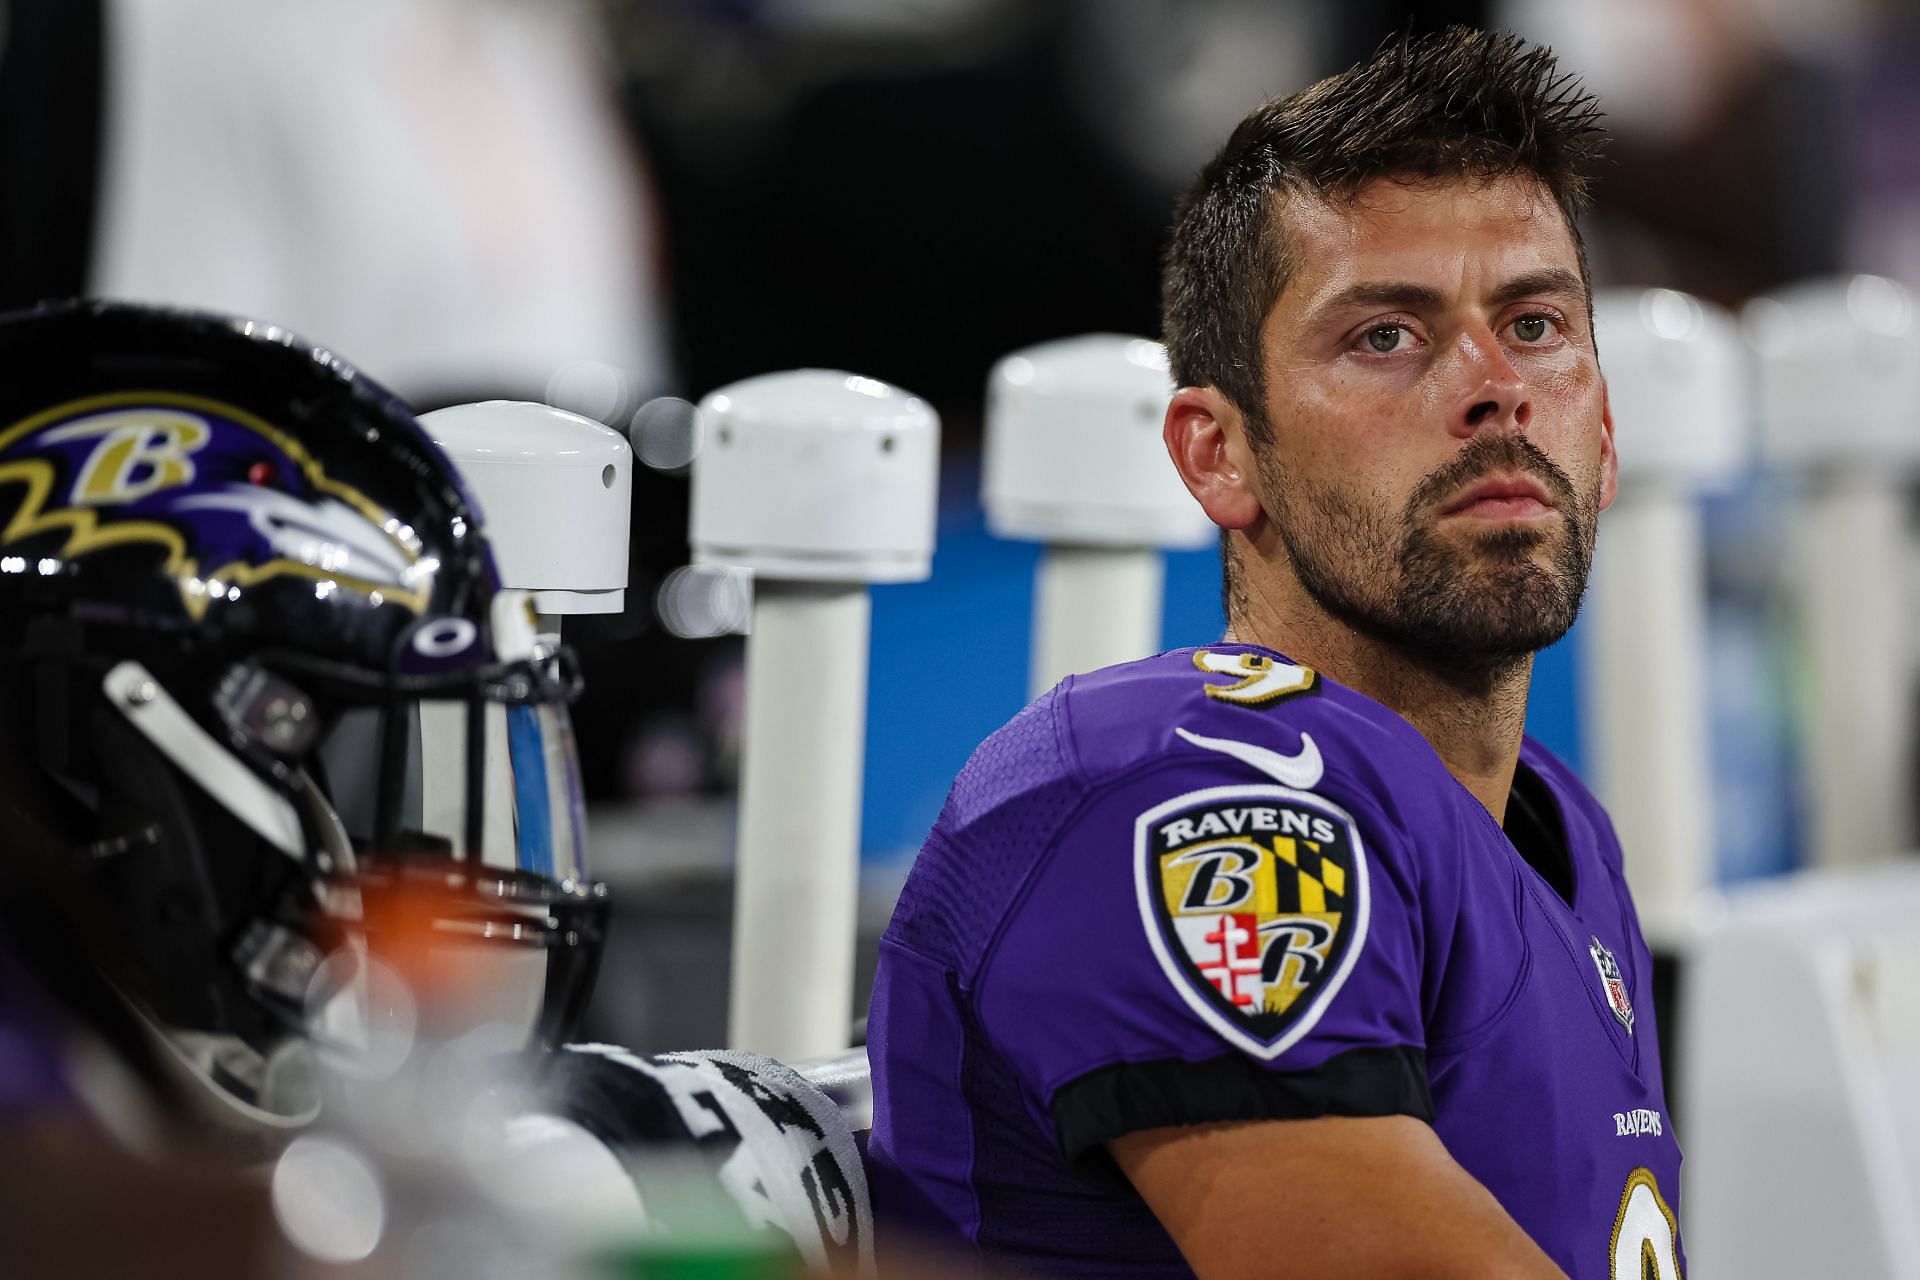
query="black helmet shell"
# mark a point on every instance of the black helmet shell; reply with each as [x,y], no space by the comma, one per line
[160,471]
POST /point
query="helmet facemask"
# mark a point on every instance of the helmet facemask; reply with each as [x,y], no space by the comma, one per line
[262,826]
[258,681]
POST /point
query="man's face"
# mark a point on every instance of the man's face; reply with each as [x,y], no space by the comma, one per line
[1441,444]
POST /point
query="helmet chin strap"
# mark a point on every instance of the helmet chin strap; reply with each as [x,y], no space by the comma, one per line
[228,1081]
[149,708]
[323,1001]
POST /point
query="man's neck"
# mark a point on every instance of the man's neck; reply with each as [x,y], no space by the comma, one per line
[1473,718]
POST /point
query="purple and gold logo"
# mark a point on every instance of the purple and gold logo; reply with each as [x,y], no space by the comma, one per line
[1255,901]
[228,499]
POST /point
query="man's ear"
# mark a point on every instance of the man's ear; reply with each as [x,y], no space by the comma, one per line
[1207,439]
[1609,459]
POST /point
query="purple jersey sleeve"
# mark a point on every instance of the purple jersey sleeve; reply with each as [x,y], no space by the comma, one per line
[1210,886]
[1229,925]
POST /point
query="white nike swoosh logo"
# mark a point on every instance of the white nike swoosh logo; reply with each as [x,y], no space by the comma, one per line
[1299,771]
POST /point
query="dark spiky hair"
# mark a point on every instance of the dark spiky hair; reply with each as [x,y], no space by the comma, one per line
[1460,103]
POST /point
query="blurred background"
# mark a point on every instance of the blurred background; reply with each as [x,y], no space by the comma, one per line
[595,204]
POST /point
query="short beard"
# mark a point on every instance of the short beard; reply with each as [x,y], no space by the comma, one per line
[1470,610]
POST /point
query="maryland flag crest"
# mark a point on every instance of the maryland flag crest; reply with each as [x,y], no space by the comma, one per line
[1255,901]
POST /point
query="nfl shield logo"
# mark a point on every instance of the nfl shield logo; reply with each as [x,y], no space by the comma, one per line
[1613,984]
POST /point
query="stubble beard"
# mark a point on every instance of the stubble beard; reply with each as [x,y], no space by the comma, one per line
[1470,603]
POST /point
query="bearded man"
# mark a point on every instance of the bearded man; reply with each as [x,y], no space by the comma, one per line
[1293,955]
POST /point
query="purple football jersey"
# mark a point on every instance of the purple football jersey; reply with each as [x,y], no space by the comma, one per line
[1211,885]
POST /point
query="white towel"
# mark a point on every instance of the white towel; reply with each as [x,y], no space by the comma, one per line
[689,1130]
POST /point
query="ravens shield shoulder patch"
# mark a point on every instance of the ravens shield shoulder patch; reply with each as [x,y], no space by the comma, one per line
[1255,902]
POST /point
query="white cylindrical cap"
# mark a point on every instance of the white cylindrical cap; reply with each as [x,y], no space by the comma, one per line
[1073,447]
[816,475]
[1677,382]
[556,498]
[1839,372]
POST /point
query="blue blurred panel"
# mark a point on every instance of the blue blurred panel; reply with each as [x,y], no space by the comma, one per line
[1194,615]
[1757,813]
[1553,705]
[1754,661]
[949,665]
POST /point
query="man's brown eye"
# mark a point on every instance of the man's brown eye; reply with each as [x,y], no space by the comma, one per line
[1530,328]
[1384,338]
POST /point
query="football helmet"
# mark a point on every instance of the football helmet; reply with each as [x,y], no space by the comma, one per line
[255,665]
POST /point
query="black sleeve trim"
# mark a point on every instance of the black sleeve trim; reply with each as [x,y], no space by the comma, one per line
[1092,1110]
